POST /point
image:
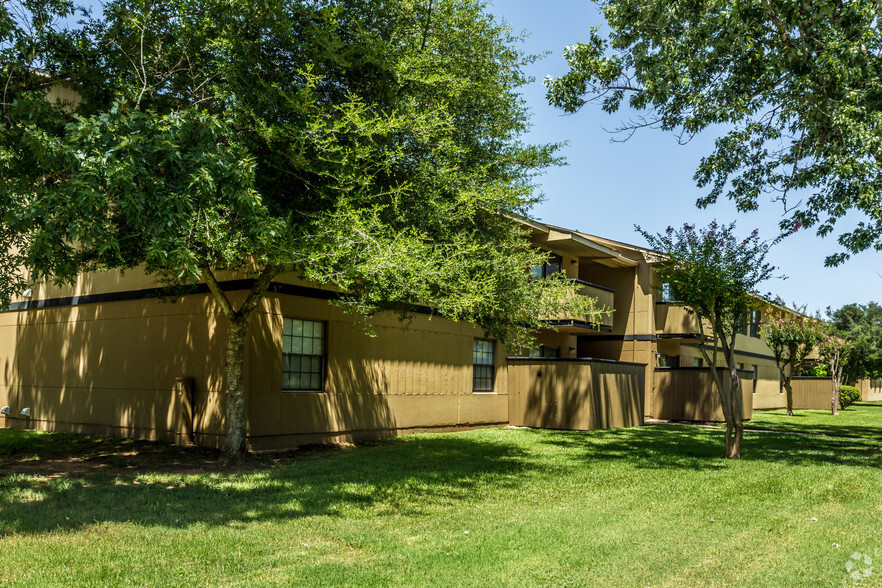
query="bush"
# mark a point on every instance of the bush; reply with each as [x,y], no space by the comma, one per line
[848,395]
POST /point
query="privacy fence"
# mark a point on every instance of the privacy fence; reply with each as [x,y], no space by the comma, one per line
[578,394]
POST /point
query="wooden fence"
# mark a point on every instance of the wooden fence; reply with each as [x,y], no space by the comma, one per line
[578,394]
[689,394]
[811,393]
[871,390]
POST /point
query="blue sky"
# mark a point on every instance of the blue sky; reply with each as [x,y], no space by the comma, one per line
[607,187]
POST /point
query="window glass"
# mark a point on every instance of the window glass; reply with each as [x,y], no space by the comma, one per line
[483,366]
[303,354]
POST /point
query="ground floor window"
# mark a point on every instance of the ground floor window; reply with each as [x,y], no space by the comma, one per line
[303,354]
[483,365]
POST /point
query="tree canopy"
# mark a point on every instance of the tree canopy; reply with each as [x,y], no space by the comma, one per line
[791,336]
[714,275]
[371,146]
[793,87]
[862,325]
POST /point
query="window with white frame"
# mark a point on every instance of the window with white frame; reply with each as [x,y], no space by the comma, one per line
[303,355]
[483,366]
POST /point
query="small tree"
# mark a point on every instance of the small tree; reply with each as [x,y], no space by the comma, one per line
[713,274]
[791,336]
[835,351]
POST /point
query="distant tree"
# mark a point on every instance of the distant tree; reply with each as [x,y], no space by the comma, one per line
[792,336]
[792,87]
[373,146]
[835,351]
[861,324]
[714,275]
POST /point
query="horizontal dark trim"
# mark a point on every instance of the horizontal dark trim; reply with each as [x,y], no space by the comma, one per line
[667,303]
[665,368]
[176,292]
[624,338]
[737,352]
[679,335]
[593,285]
[571,360]
[580,325]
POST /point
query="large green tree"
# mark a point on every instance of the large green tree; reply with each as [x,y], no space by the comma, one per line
[793,87]
[714,275]
[862,325]
[373,146]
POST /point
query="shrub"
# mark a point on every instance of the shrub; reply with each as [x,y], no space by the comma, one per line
[848,395]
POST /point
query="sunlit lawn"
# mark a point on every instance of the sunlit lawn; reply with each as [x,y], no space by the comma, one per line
[632,507]
[862,419]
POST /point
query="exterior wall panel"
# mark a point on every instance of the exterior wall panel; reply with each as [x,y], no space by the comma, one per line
[691,395]
[578,395]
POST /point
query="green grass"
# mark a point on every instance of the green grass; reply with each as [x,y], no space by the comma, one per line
[862,419]
[630,507]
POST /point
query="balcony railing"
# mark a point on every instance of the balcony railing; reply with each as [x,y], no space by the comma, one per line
[605,299]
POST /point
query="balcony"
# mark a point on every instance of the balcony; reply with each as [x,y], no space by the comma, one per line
[605,299]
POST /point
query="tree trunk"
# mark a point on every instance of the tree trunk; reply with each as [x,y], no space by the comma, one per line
[789,388]
[736,428]
[234,389]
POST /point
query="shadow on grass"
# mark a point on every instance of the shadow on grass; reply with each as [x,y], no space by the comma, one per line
[410,476]
[698,448]
[389,478]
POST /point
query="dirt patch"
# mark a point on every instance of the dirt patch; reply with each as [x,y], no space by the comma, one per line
[54,455]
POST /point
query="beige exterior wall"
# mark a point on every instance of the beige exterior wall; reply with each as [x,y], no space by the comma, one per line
[580,395]
[110,368]
[690,394]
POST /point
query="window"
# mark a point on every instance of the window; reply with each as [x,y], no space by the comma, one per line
[697,362]
[549,268]
[755,319]
[303,354]
[544,351]
[483,366]
[669,361]
[667,292]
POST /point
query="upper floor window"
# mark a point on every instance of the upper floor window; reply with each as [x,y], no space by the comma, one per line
[551,267]
[303,354]
[667,292]
[545,351]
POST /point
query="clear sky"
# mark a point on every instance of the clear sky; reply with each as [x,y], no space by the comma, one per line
[608,187]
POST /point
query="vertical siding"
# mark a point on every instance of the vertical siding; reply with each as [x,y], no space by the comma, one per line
[812,393]
[691,395]
[578,395]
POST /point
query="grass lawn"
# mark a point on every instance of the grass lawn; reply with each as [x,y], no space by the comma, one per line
[629,507]
[862,419]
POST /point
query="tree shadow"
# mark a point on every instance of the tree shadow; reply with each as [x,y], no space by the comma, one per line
[697,448]
[402,477]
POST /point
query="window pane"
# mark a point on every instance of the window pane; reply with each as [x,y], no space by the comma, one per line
[303,347]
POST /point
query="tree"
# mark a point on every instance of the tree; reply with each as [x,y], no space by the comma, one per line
[794,86]
[862,325]
[834,352]
[792,336]
[371,146]
[714,275]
